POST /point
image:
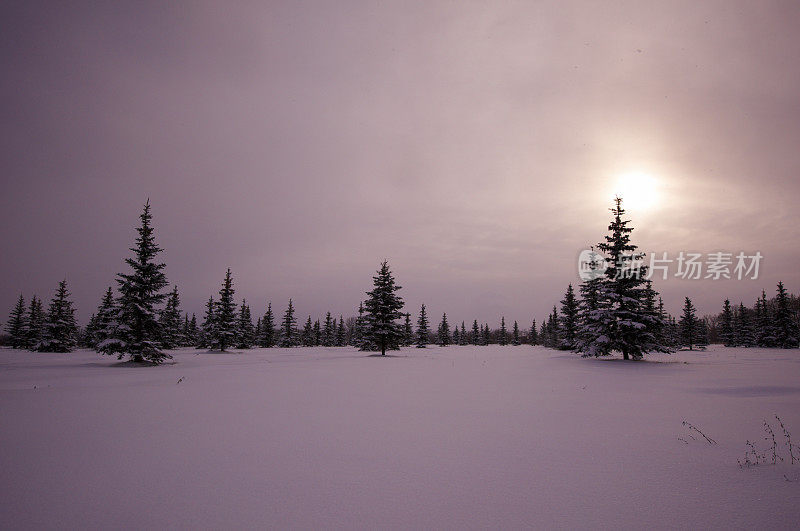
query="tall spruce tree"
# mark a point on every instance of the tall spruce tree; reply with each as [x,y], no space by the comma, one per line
[533,334]
[515,334]
[268,333]
[744,328]
[137,332]
[726,325]
[289,327]
[568,322]
[621,322]
[341,333]
[764,326]
[408,332]
[60,332]
[381,310]
[786,334]
[327,331]
[476,333]
[224,334]
[16,324]
[170,321]
[487,335]
[689,325]
[207,329]
[194,334]
[105,319]
[443,335]
[503,338]
[245,331]
[34,325]
[307,335]
[422,328]
[317,334]
[462,337]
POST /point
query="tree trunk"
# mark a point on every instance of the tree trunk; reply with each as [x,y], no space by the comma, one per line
[625,355]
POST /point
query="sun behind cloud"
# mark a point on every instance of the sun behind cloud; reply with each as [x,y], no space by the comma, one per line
[639,190]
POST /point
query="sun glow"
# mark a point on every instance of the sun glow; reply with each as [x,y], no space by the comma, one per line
[638,190]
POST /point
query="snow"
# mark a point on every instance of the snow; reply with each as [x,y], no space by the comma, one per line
[455,437]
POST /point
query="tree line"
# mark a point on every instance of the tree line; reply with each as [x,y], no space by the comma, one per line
[616,309]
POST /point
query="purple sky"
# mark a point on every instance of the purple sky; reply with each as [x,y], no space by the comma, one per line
[472,144]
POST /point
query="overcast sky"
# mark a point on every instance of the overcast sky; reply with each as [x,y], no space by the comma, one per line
[474,145]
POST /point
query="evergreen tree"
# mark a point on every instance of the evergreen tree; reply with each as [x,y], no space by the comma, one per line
[786,334]
[533,335]
[194,334]
[137,331]
[553,330]
[422,328]
[258,332]
[702,333]
[443,335]
[476,333]
[327,331]
[224,334]
[268,333]
[170,321]
[487,336]
[104,324]
[744,328]
[307,335]
[16,324]
[765,329]
[60,332]
[34,326]
[515,334]
[207,329]
[568,322]
[726,325]
[503,339]
[462,337]
[408,332]
[456,337]
[621,322]
[245,332]
[317,334]
[289,327]
[358,327]
[689,325]
[341,333]
[382,308]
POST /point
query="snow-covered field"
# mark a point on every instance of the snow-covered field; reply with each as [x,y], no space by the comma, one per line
[457,437]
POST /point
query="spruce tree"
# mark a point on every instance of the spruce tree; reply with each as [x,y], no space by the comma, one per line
[456,337]
[224,335]
[208,328]
[487,335]
[422,328]
[786,334]
[622,322]
[16,324]
[358,329]
[268,333]
[381,310]
[443,335]
[34,326]
[245,332]
[317,334]
[553,330]
[289,327]
[60,332]
[408,332]
[764,326]
[503,338]
[689,325]
[568,322]
[327,331]
[341,333]
[105,319]
[137,332]
[170,321]
[533,334]
[307,335]
[462,337]
[194,334]
[744,328]
[476,333]
[726,325]
[515,334]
